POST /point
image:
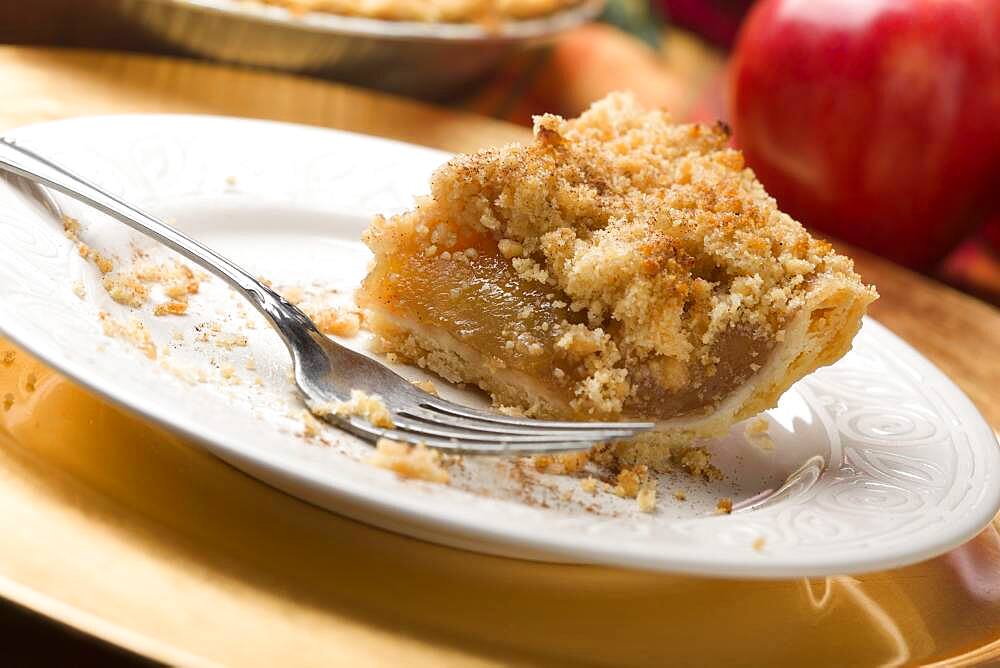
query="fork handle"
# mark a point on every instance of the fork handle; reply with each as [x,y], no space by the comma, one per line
[28,164]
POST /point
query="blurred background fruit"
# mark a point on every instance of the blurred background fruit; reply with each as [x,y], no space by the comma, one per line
[875,121]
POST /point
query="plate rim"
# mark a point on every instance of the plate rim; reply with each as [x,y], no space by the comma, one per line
[450,529]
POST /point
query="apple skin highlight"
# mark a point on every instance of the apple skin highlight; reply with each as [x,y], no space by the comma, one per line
[877,122]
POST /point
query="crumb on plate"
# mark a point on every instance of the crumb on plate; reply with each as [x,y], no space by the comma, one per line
[409,461]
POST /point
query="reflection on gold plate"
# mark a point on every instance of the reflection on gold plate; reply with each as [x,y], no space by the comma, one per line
[143,538]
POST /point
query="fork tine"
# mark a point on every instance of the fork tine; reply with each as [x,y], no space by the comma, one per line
[451,408]
[446,431]
[365,430]
[456,422]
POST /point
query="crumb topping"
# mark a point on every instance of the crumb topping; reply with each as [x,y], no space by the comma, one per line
[665,264]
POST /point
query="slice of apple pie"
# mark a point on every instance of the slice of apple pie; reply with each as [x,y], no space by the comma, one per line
[619,266]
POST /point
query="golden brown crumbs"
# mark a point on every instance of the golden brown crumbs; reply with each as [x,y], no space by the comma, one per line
[265,281]
[102,262]
[250,364]
[571,462]
[71,228]
[630,481]
[646,498]
[133,331]
[680,495]
[758,543]
[336,321]
[125,289]
[541,462]
[724,506]
[427,386]
[8,401]
[409,461]
[697,462]
[7,357]
[311,428]
[29,383]
[361,404]
[589,485]
[79,290]
[172,307]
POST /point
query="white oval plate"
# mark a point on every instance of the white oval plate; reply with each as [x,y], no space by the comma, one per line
[879,460]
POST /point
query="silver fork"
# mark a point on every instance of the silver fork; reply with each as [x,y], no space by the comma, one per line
[326,371]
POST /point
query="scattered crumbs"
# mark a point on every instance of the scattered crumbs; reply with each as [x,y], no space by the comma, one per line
[130,286]
[756,433]
[8,401]
[647,498]
[392,358]
[125,289]
[79,290]
[228,372]
[265,281]
[758,543]
[409,461]
[172,307]
[311,427]
[29,383]
[177,335]
[427,386]
[258,381]
[680,495]
[133,331]
[361,404]
[7,357]
[724,506]
[251,363]
[589,485]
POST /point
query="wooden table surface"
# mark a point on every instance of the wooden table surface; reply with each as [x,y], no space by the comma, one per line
[132,534]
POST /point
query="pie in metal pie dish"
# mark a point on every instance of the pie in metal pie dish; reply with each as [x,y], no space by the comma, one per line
[620,266]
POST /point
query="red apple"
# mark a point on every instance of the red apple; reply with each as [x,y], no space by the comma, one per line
[875,121]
